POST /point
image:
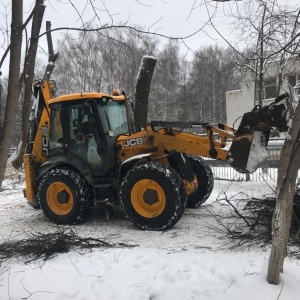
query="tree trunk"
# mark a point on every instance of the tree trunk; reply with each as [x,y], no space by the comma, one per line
[28,72]
[0,99]
[52,57]
[261,61]
[13,84]
[287,174]
[142,90]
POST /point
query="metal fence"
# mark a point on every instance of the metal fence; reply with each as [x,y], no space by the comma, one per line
[267,172]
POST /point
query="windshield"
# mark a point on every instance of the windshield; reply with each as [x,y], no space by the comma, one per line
[113,116]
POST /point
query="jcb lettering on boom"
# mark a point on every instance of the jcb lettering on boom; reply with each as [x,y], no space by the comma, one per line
[45,141]
[133,142]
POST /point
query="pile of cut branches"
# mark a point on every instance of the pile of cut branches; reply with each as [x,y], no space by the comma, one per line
[250,223]
[47,245]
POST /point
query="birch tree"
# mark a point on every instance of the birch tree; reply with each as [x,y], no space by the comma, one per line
[212,74]
[269,32]
[287,175]
[164,102]
[101,61]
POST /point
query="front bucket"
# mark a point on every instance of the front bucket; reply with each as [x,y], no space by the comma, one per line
[248,151]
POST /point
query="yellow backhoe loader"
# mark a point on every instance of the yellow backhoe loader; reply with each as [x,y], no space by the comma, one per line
[84,149]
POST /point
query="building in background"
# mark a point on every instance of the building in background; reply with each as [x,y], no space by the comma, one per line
[276,74]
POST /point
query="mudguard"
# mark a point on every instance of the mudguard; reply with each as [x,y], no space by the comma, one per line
[69,161]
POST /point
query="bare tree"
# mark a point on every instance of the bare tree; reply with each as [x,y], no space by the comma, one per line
[7,127]
[52,57]
[269,33]
[101,61]
[27,78]
[163,102]
[287,174]
[212,74]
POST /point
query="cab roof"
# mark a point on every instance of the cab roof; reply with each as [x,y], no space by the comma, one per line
[80,96]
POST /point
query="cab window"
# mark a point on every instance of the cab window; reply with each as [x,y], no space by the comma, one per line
[56,129]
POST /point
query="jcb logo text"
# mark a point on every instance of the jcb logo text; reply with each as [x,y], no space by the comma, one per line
[44,140]
[133,142]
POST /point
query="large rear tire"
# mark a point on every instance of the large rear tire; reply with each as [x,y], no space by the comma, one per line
[205,179]
[65,196]
[153,196]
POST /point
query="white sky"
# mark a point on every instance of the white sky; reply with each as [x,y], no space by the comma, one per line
[176,18]
[169,17]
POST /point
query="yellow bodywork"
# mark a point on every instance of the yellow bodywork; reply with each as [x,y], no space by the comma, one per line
[159,142]
[149,141]
[38,155]
[165,140]
[79,96]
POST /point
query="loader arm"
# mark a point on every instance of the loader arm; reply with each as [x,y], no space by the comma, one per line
[244,149]
[200,145]
[37,142]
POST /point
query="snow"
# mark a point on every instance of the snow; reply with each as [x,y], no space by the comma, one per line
[190,261]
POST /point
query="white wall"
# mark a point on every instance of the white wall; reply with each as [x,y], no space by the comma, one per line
[233,106]
[237,103]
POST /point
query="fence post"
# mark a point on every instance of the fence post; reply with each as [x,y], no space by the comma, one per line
[247,176]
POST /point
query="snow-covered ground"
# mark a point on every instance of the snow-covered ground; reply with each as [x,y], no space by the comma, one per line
[189,261]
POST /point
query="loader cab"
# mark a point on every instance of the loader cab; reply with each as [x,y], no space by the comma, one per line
[87,129]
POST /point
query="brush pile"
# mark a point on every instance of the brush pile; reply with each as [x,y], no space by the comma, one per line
[250,223]
[47,245]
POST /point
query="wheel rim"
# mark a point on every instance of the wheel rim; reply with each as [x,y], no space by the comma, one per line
[148,198]
[59,198]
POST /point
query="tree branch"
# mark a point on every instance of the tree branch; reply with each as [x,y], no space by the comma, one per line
[105,27]
[22,28]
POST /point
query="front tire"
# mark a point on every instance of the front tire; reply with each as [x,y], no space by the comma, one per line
[153,196]
[205,179]
[65,196]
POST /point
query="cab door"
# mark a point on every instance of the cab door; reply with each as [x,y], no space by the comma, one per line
[84,145]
